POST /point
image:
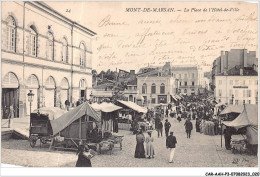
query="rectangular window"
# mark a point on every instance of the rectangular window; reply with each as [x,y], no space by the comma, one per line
[244,93]
[145,99]
[230,92]
[248,93]
[230,101]
[244,102]
[185,83]
[192,83]
[153,101]
[180,83]
[249,101]
[220,92]
[236,102]
[236,93]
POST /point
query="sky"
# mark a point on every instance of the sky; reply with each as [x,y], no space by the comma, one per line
[131,35]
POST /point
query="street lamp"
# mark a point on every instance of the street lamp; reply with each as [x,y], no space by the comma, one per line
[30,99]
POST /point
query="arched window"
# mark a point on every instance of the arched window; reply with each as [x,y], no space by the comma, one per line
[65,53]
[50,46]
[33,41]
[144,89]
[11,34]
[82,61]
[153,88]
[162,88]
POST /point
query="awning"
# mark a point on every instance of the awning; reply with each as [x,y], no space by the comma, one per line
[133,106]
[105,107]
[219,104]
[232,109]
[248,119]
[174,97]
[53,112]
[66,119]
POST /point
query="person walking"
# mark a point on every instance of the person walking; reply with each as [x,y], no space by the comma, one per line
[139,149]
[171,144]
[160,128]
[166,112]
[149,146]
[188,126]
[82,160]
[167,126]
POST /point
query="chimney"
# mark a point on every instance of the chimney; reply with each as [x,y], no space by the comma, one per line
[222,61]
[132,72]
[245,58]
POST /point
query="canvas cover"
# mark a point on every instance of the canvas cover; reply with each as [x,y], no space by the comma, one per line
[105,107]
[232,109]
[66,119]
[53,112]
[248,119]
[133,106]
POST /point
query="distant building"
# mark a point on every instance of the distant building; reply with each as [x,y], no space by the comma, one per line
[156,85]
[239,85]
[235,77]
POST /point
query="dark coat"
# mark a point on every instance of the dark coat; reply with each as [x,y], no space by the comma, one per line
[167,125]
[82,160]
[188,125]
[160,125]
[171,141]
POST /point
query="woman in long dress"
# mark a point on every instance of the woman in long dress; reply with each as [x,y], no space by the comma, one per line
[149,146]
[82,160]
[139,149]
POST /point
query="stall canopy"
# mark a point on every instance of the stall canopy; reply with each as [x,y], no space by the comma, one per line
[175,97]
[232,109]
[133,106]
[219,104]
[248,119]
[53,112]
[66,119]
[105,107]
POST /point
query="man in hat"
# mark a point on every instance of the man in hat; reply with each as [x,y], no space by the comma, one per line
[167,126]
[188,126]
[171,144]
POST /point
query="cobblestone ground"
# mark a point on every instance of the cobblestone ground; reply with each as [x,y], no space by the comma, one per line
[198,151]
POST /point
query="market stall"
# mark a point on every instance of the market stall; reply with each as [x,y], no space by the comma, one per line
[77,124]
[132,115]
[248,120]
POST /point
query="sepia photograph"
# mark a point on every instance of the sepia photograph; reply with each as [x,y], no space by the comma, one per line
[130,84]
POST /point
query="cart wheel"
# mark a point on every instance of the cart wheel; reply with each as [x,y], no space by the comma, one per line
[43,140]
[33,142]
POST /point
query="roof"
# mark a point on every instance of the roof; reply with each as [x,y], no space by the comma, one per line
[59,14]
[232,109]
[247,117]
[150,73]
[133,106]
[66,119]
[235,71]
[105,107]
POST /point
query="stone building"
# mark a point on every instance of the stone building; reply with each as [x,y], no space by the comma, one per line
[45,52]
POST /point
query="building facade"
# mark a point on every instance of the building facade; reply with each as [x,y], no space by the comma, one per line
[187,78]
[156,86]
[45,52]
[229,59]
[237,89]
